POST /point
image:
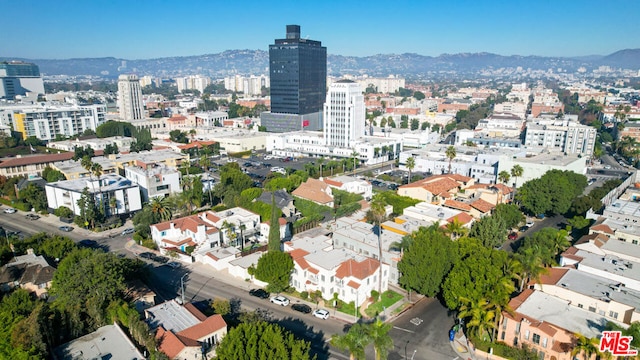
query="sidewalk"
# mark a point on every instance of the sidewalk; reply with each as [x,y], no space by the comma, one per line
[54,221]
[461,346]
[224,277]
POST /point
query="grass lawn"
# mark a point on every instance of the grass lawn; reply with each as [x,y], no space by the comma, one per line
[347,308]
[387,299]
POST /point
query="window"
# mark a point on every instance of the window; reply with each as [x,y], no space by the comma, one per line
[504,323]
[613,314]
[592,309]
[526,335]
[544,342]
[536,339]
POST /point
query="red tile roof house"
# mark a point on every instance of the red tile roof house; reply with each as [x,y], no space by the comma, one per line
[183,332]
[436,189]
[315,190]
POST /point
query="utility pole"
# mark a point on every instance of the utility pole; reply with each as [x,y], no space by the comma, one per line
[182,287]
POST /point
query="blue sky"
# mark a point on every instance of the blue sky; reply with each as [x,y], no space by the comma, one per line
[139,29]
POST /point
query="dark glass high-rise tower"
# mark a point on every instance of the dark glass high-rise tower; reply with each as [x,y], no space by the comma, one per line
[298,77]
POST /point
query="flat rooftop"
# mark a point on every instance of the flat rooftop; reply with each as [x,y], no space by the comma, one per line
[171,316]
[597,287]
[110,182]
[556,159]
[610,264]
[560,313]
[108,342]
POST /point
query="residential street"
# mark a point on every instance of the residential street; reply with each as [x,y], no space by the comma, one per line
[425,326]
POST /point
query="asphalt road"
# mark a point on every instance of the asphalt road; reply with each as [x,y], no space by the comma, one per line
[428,338]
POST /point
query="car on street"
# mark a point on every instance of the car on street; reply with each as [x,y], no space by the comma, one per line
[529,224]
[280,300]
[303,308]
[88,243]
[146,255]
[66,228]
[10,211]
[128,231]
[160,259]
[259,293]
[513,236]
[321,314]
[32,216]
[173,264]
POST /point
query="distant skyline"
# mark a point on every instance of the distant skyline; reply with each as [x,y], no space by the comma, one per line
[135,29]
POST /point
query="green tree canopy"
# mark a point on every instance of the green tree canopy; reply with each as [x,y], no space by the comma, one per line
[491,231]
[510,214]
[553,193]
[261,341]
[477,273]
[427,261]
[275,268]
[115,128]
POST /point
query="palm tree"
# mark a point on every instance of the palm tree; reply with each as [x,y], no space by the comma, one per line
[403,244]
[504,176]
[113,204]
[320,162]
[231,234]
[585,346]
[455,229]
[450,153]
[480,317]
[516,172]
[532,266]
[242,228]
[560,242]
[160,209]
[382,342]
[354,341]
[378,213]
[354,155]
[411,164]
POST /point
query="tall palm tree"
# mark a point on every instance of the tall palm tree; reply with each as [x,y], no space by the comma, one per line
[354,155]
[560,241]
[160,208]
[242,228]
[378,214]
[113,204]
[229,231]
[585,346]
[354,341]
[382,342]
[516,172]
[504,176]
[411,164]
[320,162]
[532,266]
[450,153]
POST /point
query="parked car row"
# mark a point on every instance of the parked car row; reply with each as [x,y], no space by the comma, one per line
[153,257]
[283,301]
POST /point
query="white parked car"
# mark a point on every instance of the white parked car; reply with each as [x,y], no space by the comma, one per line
[280,300]
[321,313]
[530,223]
[9,210]
[128,231]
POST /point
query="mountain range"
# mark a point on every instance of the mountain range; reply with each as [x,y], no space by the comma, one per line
[247,62]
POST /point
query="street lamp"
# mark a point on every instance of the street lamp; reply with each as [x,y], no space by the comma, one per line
[405,349]
[182,286]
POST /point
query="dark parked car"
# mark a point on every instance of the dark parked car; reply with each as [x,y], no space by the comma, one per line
[88,243]
[259,293]
[32,216]
[146,255]
[161,259]
[306,309]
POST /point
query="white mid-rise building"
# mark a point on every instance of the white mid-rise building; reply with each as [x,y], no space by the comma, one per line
[560,135]
[104,189]
[193,82]
[130,105]
[46,121]
[386,85]
[344,114]
[154,181]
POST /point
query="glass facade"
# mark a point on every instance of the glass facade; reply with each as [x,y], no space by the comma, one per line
[298,74]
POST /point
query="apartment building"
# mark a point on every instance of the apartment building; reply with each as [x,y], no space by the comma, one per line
[130,104]
[344,114]
[47,121]
[193,82]
[154,181]
[351,184]
[560,135]
[126,195]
